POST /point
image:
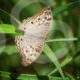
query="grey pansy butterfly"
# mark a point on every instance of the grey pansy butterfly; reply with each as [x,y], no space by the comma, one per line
[35,30]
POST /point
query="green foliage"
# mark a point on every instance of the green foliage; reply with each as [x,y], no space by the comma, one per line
[7,28]
[58,78]
[27,77]
[53,58]
[5,75]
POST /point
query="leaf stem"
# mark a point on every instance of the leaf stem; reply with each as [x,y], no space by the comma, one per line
[63,39]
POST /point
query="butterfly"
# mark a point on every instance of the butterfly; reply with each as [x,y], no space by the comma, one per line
[36,30]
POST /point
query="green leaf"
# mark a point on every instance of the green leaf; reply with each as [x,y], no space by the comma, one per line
[53,58]
[77,61]
[5,75]
[78,35]
[70,76]
[27,77]
[9,57]
[7,28]
[67,60]
[58,78]
[43,69]
[10,49]
[65,7]
[10,29]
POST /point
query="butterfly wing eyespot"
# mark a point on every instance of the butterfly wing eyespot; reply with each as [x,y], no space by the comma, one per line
[36,30]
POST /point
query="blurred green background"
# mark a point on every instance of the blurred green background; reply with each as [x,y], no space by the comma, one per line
[62,54]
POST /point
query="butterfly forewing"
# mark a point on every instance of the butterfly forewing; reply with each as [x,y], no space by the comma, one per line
[35,29]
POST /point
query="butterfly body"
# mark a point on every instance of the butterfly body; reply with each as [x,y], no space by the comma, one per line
[35,30]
